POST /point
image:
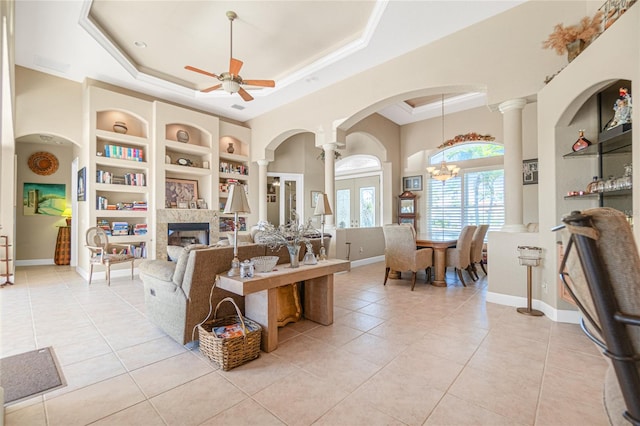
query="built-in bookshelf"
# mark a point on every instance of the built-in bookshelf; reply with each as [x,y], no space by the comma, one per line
[118,197]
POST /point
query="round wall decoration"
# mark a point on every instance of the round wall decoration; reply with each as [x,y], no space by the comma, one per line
[43,163]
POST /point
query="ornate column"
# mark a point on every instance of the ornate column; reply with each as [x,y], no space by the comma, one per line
[512,132]
[262,189]
[330,180]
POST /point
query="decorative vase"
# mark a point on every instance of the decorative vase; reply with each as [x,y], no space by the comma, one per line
[182,136]
[120,127]
[230,148]
[294,255]
[574,49]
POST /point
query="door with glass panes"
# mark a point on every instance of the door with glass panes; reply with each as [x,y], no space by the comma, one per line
[358,202]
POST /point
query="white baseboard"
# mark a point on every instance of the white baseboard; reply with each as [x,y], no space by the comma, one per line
[557,315]
[367,261]
[34,262]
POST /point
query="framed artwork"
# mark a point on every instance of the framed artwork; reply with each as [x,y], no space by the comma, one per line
[82,184]
[314,198]
[193,204]
[530,172]
[44,198]
[412,183]
[179,191]
[201,203]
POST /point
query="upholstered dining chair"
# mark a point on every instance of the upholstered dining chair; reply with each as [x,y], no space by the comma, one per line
[476,250]
[401,254]
[459,257]
[98,244]
[602,264]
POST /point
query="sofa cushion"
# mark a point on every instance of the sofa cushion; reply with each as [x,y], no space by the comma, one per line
[174,252]
[181,265]
[159,269]
[242,238]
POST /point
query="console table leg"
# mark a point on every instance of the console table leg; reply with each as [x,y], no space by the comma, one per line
[262,308]
[318,300]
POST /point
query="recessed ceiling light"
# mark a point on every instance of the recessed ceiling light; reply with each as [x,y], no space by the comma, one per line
[238,107]
[140,44]
[311,79]
[46,138]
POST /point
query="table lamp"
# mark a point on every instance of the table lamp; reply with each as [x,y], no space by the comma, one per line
[67,215]
[236,203]
[322,208]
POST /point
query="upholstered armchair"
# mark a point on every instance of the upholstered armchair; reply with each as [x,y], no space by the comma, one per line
[459,257]
[603,267]
[476,249]
[98,244]
[400,253]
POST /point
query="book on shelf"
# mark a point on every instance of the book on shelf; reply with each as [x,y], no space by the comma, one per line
[119,228]
[123,153]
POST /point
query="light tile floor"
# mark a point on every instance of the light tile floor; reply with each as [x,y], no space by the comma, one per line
[434,356]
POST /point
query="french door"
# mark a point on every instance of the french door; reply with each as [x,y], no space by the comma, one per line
[358,202]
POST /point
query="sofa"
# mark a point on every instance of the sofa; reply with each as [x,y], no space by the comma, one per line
[177,292]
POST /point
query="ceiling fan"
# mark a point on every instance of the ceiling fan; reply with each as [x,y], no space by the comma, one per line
[231,80]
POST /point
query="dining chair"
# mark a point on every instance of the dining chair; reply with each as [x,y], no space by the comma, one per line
[98,244]
[401,254]
[602,261]
[476,250]
[459,257]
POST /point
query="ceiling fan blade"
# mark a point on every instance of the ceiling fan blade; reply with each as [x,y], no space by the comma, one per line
[212,88]
[234,66]
[245,95]
[261,83]
[198,70]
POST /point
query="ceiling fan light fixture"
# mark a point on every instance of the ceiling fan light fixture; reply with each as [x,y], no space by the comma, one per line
[231,86]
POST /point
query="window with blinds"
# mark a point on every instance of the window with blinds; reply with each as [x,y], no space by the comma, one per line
[471,198]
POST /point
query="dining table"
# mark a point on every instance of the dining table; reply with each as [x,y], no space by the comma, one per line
[439,246]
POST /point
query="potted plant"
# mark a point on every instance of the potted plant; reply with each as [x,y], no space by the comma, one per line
[574,38]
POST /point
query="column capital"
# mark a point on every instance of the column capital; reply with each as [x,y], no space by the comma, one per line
[263,162]
[512,104]
[330,146]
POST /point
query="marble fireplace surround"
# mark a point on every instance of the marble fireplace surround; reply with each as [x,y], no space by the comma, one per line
[166,216]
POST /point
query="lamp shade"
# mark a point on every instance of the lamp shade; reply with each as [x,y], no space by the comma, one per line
[66,212]
[322,206]
[237,201]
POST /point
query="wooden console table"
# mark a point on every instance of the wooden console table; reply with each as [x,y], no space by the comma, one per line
[261,294]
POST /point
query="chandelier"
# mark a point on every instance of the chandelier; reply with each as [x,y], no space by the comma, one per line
[445,171]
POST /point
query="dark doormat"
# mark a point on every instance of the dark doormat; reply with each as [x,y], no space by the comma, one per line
[29,374]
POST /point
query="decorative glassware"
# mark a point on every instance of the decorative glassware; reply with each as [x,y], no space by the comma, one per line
[581,143]
[294,254]
[592,188]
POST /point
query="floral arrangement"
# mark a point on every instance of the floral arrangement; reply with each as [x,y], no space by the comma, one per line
[291,235]
[467,138]
[586,30]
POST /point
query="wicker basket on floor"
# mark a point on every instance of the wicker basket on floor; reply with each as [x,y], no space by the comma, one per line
[230,352]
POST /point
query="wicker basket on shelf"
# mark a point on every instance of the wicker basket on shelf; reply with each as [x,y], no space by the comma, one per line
[233,351]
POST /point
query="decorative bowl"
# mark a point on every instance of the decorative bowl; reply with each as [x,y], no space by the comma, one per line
[264,263]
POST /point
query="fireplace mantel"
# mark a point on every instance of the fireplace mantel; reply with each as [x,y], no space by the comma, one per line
[166,216]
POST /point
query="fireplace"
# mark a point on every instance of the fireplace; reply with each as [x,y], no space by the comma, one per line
[183,234]
[164,217]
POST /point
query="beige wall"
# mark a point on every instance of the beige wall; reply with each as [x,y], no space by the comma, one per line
[48,104]
[36,234]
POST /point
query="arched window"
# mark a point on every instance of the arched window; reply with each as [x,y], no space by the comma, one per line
[474,197]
